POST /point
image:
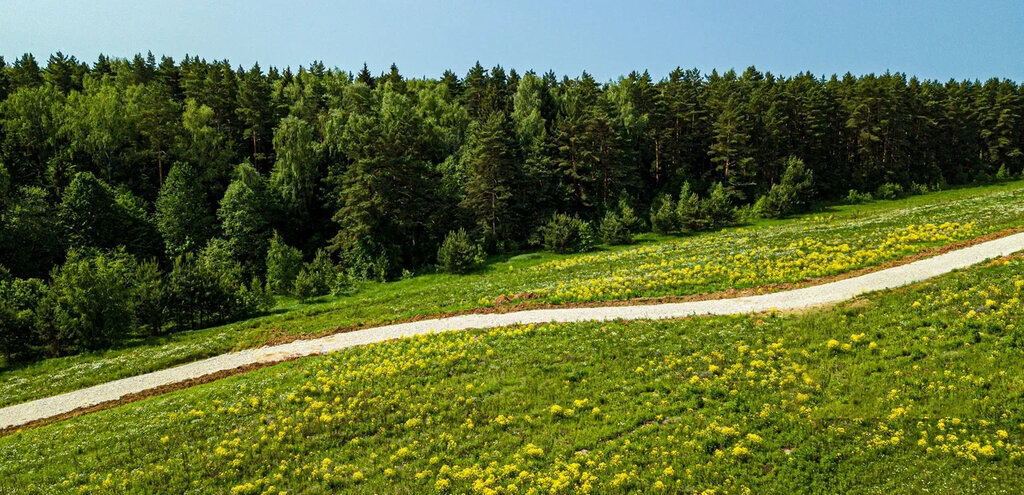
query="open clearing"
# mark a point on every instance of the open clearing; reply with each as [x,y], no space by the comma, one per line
[769,252]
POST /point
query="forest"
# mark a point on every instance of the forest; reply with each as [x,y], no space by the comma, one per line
[142,196]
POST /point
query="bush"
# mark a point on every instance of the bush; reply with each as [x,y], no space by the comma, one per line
[856,197]
[304,288]
[19,300]
[791,194]
[208,289]
[688,209]
[889,190]
[717,210]
[614,230]
[317,278]
[567,234]
[663,215]
[628,216]
[253,299]
[458,253]
[283,265]
[91,302]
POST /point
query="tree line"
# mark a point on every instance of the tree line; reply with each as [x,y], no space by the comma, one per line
[203,188]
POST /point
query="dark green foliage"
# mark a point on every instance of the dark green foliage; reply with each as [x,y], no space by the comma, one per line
[619,225]
[245,213]
[29,219]
[19,300]
[492,174]
[791,194]
[283,264]
[318,277]
[380,169]
[91,302]
[94,215]
[182,213]
[716,210]
[664,219]
[567,234]
[388,189]
[458,253]
[210,288]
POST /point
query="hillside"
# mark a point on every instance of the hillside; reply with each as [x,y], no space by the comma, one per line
[757,256]
[926,378]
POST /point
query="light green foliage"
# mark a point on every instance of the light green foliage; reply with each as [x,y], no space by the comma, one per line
[245,213]
[317,278]
[283,264]
[295,173]
[688,209]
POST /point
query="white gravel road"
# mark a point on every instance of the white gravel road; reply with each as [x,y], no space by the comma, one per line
[832,292]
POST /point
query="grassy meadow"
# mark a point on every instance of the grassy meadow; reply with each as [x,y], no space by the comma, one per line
[917,389]
[831,241]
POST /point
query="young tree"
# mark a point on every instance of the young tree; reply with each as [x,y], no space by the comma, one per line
[245,215]
[182,211]
[283,264]
[91,301]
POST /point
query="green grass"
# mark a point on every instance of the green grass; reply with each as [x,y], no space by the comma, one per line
[915,390]
[769,252]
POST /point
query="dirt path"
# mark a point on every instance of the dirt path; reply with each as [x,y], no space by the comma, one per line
[131,388]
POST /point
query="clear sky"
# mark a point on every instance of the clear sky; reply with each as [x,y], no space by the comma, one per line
[936,39]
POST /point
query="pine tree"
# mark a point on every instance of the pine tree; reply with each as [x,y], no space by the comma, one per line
[492,177]
[254,113]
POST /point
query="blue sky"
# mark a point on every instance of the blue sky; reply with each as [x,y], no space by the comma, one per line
[936,39]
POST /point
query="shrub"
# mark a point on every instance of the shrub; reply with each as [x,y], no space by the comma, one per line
[208,288]
[253,299]
[304,288]
[19,300]
[791,194]
[614,230]
[317,278]
[663,215]
[889,190]
[688,209]
[91,302]
[567,234]
[717,210]
[458,253]
[855,197]
[628,216]
[283,265]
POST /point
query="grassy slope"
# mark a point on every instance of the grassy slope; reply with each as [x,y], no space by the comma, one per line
[686,265]
[907,391]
